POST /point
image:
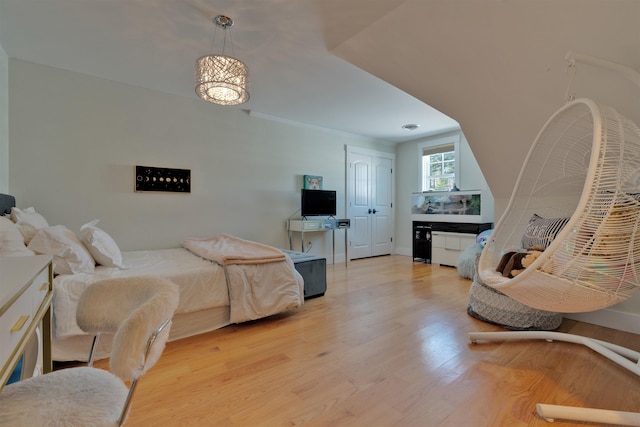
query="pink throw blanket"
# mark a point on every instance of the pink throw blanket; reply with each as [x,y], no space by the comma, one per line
[226,250]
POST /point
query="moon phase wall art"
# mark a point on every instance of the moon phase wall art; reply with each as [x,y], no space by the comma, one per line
[150,178]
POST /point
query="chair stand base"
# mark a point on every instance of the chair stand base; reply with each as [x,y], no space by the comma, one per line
[600,416]
[622,356]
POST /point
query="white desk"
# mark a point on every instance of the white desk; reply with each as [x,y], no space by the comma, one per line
[316,225]
[25,303]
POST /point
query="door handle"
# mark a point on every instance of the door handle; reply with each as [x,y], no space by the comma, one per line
[369,210]
[374,211]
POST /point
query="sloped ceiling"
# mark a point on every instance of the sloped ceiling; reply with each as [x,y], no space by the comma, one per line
[495,67]
[498,67]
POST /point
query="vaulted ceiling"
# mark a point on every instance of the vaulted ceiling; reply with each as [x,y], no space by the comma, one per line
[494,67]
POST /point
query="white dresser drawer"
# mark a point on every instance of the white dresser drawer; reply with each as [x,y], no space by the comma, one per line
[446,240]
[438,240]
[39,289]
[14,323]
[467,240]
[447,247]
[445,256]
[452,243]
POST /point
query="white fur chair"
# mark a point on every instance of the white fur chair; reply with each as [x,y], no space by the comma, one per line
[139,311]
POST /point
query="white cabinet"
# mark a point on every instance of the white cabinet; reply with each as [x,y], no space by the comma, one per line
[25,305]
[442,242]
[446,247]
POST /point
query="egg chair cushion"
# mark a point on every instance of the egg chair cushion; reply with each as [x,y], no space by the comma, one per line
[492,306]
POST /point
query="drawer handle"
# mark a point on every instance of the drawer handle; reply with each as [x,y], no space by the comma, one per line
[45,286]
[19,323]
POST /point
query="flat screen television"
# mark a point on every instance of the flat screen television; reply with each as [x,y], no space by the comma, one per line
[318,203]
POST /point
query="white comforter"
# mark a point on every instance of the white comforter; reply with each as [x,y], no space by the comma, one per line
[246,265]
[202,284]
[252,297]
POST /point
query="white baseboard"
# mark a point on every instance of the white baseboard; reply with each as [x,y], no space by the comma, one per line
[404,251]
[339,259]
[609,318]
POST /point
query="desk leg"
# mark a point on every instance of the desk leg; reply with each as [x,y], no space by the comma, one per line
[47,362]
[333,245]
[290,240]
[302,241]
[346,250]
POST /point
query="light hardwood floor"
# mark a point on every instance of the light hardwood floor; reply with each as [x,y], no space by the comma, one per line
[386,346]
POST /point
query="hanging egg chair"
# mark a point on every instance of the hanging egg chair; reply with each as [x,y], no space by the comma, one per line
[578,198]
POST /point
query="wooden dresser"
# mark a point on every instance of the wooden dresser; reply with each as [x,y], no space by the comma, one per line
[25,303]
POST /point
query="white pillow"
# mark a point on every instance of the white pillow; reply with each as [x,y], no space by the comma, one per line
[69,254]
[29,222]
[11,240]
[101,245]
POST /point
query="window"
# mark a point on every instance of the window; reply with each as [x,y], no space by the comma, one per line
[439,163]
[439,168]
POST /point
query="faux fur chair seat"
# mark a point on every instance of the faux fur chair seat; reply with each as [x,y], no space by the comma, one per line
[68,397]
[139,311]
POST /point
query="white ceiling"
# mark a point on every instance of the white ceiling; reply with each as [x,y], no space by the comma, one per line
[285,44]
[495,66]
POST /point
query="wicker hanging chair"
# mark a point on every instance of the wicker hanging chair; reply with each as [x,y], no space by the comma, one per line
[578,195]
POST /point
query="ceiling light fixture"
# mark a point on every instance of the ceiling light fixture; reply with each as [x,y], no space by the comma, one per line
[410,126]
[222,79]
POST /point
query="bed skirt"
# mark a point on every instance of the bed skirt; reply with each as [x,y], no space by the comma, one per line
[184,325]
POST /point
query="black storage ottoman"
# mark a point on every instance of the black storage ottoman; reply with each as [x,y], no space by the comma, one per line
[313,270]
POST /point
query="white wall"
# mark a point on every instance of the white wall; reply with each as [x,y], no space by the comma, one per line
[4,121]
[408,181]
[498,67]
[75,140]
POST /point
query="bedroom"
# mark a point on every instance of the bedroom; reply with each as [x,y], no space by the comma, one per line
[69,137]
[47,123]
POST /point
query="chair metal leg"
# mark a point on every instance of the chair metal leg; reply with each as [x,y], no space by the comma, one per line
[134,382]
[127,403]
[92,351]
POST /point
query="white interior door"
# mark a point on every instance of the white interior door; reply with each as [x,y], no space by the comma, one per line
[359,205]
[370,203]
[381,202]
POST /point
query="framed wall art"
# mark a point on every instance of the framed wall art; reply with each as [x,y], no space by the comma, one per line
[149,178]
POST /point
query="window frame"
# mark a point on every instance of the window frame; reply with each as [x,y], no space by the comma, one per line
[445,142]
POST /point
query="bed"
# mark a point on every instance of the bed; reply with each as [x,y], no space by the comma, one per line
[214,292]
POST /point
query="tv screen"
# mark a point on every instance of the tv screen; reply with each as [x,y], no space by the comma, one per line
[318,203]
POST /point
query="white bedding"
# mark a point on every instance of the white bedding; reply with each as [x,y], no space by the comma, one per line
[246,265]
[252,297]
[239,292]
[202,283]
